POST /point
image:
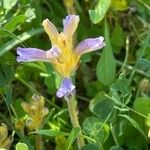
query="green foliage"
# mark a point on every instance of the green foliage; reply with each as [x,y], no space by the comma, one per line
[135,124]
[72,137]
[120,5]
[100,10]
[144,65]
[21,146]
[9,4]
[121,89]
[93,128]
[117,38]
[51,132]
[106,66]
[91,147]
[101,106]
[112,84]
[6,75]
[142,105]
[12,43]
[12,25]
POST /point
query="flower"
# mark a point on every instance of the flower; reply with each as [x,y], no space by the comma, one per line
[36,111]
[63,55]
[66,88]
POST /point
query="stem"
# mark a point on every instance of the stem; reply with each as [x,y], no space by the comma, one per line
[141,72]
[141,55]
[126,56]
[38,142]
[73,112]
[113,134]
[69,4]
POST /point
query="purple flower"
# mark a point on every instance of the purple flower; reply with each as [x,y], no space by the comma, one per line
[89,45]
[63,55]
[32,54]
[66,88]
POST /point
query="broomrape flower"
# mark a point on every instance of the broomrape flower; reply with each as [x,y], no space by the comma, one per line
[63,55]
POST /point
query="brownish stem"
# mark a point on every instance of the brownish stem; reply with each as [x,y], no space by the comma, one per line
[39,142]
[73,112]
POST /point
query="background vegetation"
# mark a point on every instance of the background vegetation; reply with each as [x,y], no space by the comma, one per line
[113,84]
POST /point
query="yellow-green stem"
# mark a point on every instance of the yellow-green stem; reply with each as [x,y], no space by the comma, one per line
[39,142]
[69,4]
[73,112]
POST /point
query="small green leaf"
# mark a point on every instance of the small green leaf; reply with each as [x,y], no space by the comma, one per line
[90,127]
[51,133]
[72,137]
[142,105]
[121,89]
[106,67]
[101,106]
[117,38]
[134,124]
[21,146]
[100,10]
[120,5]
[8,4]
[12,25]
[60,143]
[95,129]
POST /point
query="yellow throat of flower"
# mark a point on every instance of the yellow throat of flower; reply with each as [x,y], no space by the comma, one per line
[67,65]
[67,62]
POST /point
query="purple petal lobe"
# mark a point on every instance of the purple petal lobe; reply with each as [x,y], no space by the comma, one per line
[66,88]
[30,55]
[70,24]
[54,52]
[89,45]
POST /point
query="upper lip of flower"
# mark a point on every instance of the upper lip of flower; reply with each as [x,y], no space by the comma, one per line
[70,24]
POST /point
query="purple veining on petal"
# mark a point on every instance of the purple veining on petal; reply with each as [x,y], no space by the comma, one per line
[54,52]
[70,24]
[30,55]
[66,88]
[89,45]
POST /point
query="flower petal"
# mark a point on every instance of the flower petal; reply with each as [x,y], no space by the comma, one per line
[70,24]
[54,52]
[31,54]
[51,30]
[66,88]
[89,45]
